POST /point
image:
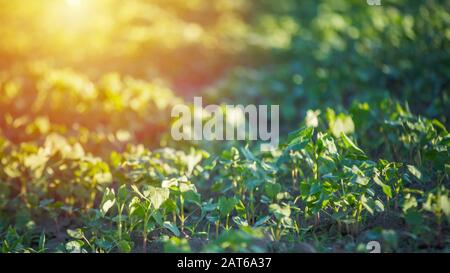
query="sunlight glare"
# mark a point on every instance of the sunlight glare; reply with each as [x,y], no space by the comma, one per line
[73,3]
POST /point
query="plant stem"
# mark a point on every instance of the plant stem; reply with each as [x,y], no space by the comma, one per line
[252,207]
[119,226]
[182,212]
[217,228]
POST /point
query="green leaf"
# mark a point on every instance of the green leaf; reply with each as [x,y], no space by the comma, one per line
[107,205]
[386,189]
[42,241]
[315,188]
[366,204]
[109,199]
[342,125]
[44,203]
[280,212]
[261,221]
[348,143]
[409,203]
[226,205]
[74,246]
[124,246]
[444,204]
[192,197]
[155,195]
[248,154]
[158,196]
[122,193]
[239,221]
[304,133]
[379,206]
[76,234]
[136,190]
[136,207]
[177,245]
[173,228]
[158,218]
[415,172]
[272,189]
[208,207]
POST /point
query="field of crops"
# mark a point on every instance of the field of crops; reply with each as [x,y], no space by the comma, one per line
[88,162]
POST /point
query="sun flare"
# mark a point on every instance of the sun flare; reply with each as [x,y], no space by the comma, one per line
[73,3]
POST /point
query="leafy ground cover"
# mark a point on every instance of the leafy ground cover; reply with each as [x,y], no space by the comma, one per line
[87,163]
